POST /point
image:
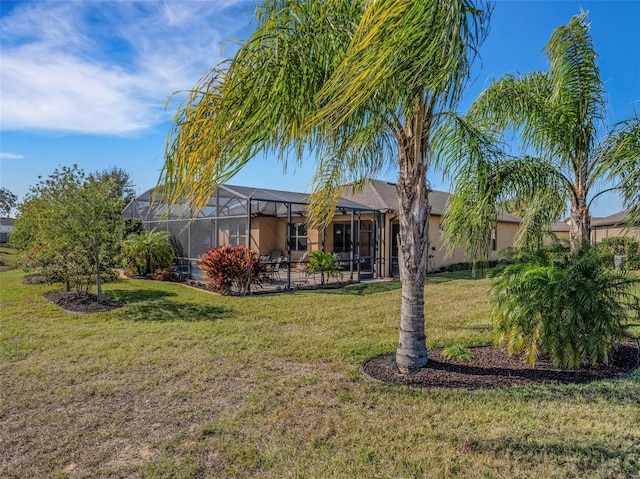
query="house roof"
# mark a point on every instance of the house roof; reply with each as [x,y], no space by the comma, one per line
[6,221]
[616,219]
[278,196]
[560,227]
[382,195]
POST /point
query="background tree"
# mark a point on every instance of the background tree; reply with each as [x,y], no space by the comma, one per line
[566,305]
[557,115]
[360,84]
[68,227]
[123,188]
[7,202]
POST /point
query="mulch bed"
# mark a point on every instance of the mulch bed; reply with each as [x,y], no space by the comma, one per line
[492,368]
[75,302]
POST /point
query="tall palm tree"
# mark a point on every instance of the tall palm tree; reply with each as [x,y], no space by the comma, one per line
[558,116]
[362,85]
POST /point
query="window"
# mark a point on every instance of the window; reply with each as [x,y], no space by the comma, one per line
[341,237]
[494,239]
[238,233]
[298,236]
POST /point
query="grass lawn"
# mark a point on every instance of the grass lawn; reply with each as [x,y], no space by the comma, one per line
[7,258]
[181,383]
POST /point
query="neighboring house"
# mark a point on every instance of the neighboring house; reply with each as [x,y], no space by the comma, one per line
[613,226]
[363,231]
[561,230]
[6,228]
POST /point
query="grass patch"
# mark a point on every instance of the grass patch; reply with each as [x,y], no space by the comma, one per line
[8,258]
[183,383]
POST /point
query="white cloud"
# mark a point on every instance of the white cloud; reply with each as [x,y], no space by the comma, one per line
[10,156]
[104,67]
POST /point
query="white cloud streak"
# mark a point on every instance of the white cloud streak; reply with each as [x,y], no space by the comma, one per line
[10,156]
[106,68]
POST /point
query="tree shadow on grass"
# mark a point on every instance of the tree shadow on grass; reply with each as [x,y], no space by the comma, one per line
[589,456]
[362,289]
[137,296]
[435,278]
[620,390]
[163,310]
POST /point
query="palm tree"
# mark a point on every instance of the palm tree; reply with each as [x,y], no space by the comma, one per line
[147,251]
[360,84]
[557,116]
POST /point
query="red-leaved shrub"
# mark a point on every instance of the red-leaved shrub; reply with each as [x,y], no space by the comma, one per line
[232,269]
[166,274]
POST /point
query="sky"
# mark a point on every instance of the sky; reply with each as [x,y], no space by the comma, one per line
[87,82]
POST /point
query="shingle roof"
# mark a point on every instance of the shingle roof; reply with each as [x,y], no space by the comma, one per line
[559,227]
[381,195]
[612,220]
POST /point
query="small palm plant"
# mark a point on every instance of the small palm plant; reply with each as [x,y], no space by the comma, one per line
[324,263]
[148,251]
[564,305]
[459,353]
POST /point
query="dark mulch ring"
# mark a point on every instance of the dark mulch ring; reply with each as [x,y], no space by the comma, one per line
[81,302]
[492,368]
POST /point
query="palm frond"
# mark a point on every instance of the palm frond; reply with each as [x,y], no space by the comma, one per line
[620,159]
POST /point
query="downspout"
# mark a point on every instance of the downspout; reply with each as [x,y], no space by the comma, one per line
[288,245]
[359,248]
[351,247]
[390,246]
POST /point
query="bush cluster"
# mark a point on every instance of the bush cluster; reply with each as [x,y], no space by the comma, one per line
[568,306]
[166,274]
[628,247]
[232,269]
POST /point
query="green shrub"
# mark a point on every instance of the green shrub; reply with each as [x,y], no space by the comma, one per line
[567,306]
[232,269]
[628,247]
[458,353]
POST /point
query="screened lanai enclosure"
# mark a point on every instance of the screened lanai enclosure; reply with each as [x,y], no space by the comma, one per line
[269,221]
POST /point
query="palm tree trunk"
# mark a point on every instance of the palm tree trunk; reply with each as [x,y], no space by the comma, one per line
[580,223]
[413,238]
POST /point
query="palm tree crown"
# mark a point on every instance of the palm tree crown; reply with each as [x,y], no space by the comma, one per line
[558,116]
[362,84]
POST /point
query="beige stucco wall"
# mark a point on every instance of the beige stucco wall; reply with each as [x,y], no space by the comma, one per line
[505,236]
[598,233]
[269,234]
[562,235]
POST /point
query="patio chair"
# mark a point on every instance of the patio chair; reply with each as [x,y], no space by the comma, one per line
[301,268]
[275,254]
[275,268]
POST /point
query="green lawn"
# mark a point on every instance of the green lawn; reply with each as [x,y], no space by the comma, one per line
[7,258]
[182,383]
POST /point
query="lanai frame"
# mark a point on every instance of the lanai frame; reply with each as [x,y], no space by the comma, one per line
[229,205]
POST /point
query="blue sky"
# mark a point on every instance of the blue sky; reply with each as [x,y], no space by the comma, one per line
[86,82]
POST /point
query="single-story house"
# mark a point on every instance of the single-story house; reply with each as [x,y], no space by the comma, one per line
[6,228]
[363,231]
[613,226]
[382,196]
[561,230]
